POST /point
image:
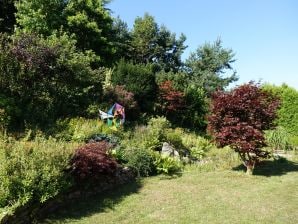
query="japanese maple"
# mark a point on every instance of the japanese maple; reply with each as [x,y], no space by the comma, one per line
[172,100]
[239,117]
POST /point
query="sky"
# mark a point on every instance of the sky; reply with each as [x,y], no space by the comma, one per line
[262,33]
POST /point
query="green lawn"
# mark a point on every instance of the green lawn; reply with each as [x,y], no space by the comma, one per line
[230,196]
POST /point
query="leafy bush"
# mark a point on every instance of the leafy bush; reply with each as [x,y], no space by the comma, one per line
[174,139]
[4,120]
[294,140]
[48,78]
[80,129]
[118,153]
[112,139]
[170,100]
[288,111]
[154,133]
[9,112]
[196,145]
[197,108]
[193,112]
[167,165]
[138,151]
[141,149]
[149,137]
[33,170]
[91,161]
[140,159]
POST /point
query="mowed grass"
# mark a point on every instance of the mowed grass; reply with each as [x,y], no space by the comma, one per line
[229,196]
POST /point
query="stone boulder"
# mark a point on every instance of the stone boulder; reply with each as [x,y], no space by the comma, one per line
[169,150]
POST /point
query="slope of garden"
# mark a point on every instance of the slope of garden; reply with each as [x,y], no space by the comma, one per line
[176,133]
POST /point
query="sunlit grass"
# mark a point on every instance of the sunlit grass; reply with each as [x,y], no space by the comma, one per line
[228,196]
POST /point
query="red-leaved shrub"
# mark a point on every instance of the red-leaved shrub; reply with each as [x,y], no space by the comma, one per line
[91,162]
[238,118]
[171,100]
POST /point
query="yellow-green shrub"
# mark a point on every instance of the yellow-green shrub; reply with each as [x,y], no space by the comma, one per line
[33,170]
[197,145]
[167,165]
[81,129]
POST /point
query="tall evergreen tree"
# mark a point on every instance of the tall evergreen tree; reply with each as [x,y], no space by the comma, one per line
[154,44]
[208,65]
[144,38]
[169,49]
[91,23]
[122,39]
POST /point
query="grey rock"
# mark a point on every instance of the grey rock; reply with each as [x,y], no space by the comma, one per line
[169,150]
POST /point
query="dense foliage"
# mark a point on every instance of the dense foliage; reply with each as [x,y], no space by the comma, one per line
[238,118]
[288,111]
[91,162]
[46,78]
[63,60]
[153,44]
[59,45]
[78,129]
[88,22]
[33,171]
[279,139]
[208,65]
[138,79]
[194,103]
[171,100]
[142,149]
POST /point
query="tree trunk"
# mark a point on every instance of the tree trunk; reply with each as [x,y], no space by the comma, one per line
[250,165]
[249,170]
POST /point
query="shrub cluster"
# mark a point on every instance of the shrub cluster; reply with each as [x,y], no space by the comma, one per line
[140,159]
[139,79]
[80,129]
[142,149]
[167,165]
[46,79]
[33,170]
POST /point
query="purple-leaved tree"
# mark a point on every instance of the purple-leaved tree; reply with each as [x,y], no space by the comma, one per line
[239,117]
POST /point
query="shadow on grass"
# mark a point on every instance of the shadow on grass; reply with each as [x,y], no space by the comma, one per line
[101,202]
[272,167]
